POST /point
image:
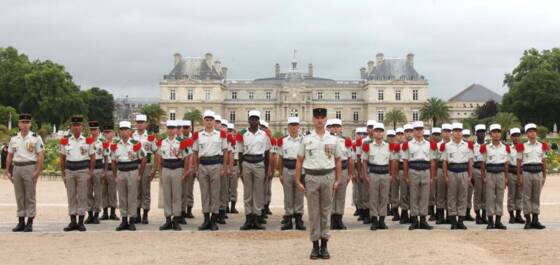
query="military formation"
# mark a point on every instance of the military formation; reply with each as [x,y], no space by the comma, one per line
[413,174]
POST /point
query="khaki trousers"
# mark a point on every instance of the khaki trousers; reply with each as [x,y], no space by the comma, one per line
[144,196]
[515,193]
[233,183]
[379,193]
[209,179]
[109,191]
[25,191]
[532,186]
[253,187]
[479,194]
[404,192]
[339,200]
[187,191]
[419,192]
[457,193]
[172,191]
[293,199]
[76,191]
[495,187]
[441,194]
[318,190]
[94,191]
[127,186]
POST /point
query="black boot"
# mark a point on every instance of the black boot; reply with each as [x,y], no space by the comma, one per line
[261,219]
[123,225]
[440,220]
[527,221]
[511,217]
[423,224]
[431,213]
[361,214]
[248,225]
[206,223]
[72,225]
[257,222]
[105,215]
[89,220]
[382,224]
[21,225]
[461,224]
[447,219]
[113,215]
[414,224]
[367,219]
[518,218]
[324,249]
[333,222]
[220,217]
[468,216]
[499,224]
[374,224]
[183,218]
[299,221]
[535,223]
[478,219]
[29,225]
[453,221]
[341,225]
[177,223]
[490,222]
[81,227]
[484,217]
[284,219]
[389,210]
[138,216]
[404,217]
[288,225]
[396,216]
[167,225]
[132,223]
[232,209]
[267,209]
[144,217]
[96,218]
[189,213]
[315,251]
[356,212]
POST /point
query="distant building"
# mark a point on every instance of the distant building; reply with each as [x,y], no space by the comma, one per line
[126,108]
[386,84]
[464,104]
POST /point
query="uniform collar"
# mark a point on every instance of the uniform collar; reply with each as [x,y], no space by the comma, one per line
[214,131]
[418,142]
[144,134]
[79,138]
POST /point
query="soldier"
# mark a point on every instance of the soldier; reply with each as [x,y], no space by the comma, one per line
[427,135]
[347,164]
[495,176]
[378,156]
[148,144]
[434,137]
[171,156]
[457,170]
[108,184]
[395,182]
[26,152]
[479,194]
[268,178]
[288,148]
[364,184]
[224,181]
[233,169]
[391,135]
[188,184]
[210,157]
[94,188]
[533,156]
[253,146]
[127,172]
[404,184]
[441,193]
[77,160]
[319,155]
[361,133]
[515,187]
[419,170]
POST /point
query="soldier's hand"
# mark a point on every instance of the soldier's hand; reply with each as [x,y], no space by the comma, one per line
[139,178]
[520,182]
[223,172]
[446,178]
[335,186]
[35,176]
[484,180]
[9,176]
[300,187]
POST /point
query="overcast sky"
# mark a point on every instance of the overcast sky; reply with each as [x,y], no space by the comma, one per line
[127,46]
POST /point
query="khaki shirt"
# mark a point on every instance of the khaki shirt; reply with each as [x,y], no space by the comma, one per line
[439,154]
[319,153]
[77,149]
[532,153]
[210,144]
[418,151]
[26,148]
[170,149]
[496,154]
[457,152]
[290,147]
[477,155]
[148,146]
[126,153]
[379,154]
[346,152]
[513,156]
[98,150]
[254,144]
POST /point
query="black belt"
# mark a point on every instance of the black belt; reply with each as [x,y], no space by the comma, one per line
[211,160]
[419,165]
[533,168]
[401,165]
[77,165]
[289,163]
[477,164]
[318,172]
[440,164]
[128,166]
[378,169]
[458,167]
[253,159]
[99,164]
[173,163]
[344,164]
[496,168]
[23,164]
[512,169]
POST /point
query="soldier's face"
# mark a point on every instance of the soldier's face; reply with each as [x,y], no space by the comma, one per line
[457,134]
[496,135]
[94,132]
[436,137]
[171,131]
[293,128]
[515,138]
[209,122]
[186,130]
[24,126]
[408,134]
[532,134]
[76,128]
[319,121]
[337,129]
[254,121]
[378,134]
[400,136]
[217,124]
[480,135]
[418,133]
[446,134]
[108,134]
[141,125]
[123,133]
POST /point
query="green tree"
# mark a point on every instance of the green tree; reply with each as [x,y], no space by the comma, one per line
[534,90]
[100,106]
[394,117]
[507,121]
[434,110]
[488,109]
[155,114]
[195,116]
[5,113]
[542,132]
[13,68]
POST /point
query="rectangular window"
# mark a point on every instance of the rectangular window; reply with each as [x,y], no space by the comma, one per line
[398,95]
[415,94]
[268,95]
[267,115]
[380,116]
[380,95]
[172,94]
[337,95]
[414,115]
[233,94]
[320,95]
[232,116]
[338,114]
[354,95]
[206,94]
[293,113]
[189,94]
[356,116]
[251,94]
[172,114]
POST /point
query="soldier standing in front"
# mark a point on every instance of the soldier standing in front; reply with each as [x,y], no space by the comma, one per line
[533,160]
[148,144]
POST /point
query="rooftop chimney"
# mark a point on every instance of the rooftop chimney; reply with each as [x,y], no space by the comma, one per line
[277,70]
[177,57]
[379,58]
[310,70]
[410,58]
[224,72]
[363,73]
